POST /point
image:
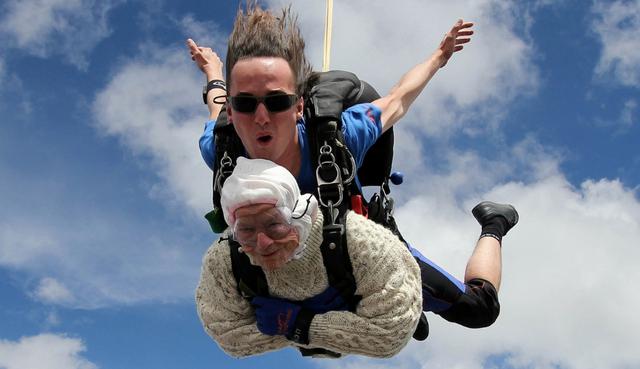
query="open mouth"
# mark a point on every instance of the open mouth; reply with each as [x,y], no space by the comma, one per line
[265,139]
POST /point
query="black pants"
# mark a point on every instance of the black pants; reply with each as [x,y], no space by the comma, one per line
[473,304]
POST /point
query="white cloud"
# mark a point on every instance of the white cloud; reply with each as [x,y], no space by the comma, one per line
[471,95]
[380,42]
[45,351]
[98,259]
[70,28]
[569,267]
[617,24]
[53,291]
[19,245]
[153,104]
[103,250]
[206,34]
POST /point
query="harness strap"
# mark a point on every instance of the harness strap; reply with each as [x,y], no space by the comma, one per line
[250,278]
[335,255]
[228,147]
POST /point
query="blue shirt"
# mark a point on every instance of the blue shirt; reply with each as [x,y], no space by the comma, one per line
[361,127]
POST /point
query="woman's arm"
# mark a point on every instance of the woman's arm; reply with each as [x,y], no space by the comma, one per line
[226,316]
[388,279]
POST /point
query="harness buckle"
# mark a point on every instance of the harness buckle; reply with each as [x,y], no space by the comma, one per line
[333,227]
[329,178]
[225,170]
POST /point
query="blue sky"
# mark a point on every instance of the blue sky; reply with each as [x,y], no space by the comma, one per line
[102,189]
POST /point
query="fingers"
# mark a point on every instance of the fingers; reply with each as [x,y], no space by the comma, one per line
[192,45]
[460,27]
[461,33]
[203,55]
[193,48]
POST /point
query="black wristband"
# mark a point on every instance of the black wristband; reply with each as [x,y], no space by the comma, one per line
[213,84]
[300,332]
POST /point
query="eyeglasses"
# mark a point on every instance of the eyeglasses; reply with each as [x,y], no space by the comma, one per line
[274,103]
[272,223]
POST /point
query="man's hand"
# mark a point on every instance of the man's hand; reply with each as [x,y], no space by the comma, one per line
[454,39]
[207,60]
[275,316]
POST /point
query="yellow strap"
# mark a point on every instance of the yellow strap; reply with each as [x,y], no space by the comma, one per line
[328,24]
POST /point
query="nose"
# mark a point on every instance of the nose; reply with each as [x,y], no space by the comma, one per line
[261,114]
[263,241]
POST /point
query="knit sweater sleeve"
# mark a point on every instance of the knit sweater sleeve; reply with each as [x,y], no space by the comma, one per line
[226,316]
[388,279]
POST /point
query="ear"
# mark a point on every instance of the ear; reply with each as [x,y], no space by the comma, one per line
[295,235]
[299,108]
[229,116]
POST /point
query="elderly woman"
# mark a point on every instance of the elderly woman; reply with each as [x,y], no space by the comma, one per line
[280,231]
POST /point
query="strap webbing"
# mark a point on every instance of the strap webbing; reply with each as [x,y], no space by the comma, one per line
[250,278]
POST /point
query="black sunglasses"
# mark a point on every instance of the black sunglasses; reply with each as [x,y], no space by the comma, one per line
[273,103]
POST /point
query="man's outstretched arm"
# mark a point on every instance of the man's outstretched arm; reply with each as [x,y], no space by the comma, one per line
[395,105]
[210,64]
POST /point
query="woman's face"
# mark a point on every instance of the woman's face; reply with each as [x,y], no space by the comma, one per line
[265,235]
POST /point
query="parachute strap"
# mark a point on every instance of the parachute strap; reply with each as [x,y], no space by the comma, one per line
[225,169]
[329,175]
[228,147]
[251,281]
[335,254]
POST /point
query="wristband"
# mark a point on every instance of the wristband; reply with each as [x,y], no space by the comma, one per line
[216,83]
[300,333]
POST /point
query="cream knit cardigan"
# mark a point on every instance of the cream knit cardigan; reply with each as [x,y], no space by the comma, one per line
[387,278]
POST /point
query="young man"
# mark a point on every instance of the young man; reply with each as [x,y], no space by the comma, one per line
[265,57]
[266,76]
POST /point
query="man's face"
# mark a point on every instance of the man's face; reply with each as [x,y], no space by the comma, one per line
[265,236]
[264,134]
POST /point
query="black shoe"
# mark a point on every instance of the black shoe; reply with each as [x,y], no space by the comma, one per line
[487,210]
[422,330]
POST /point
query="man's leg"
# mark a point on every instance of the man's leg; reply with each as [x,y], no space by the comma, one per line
[486,261]
[475,303]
